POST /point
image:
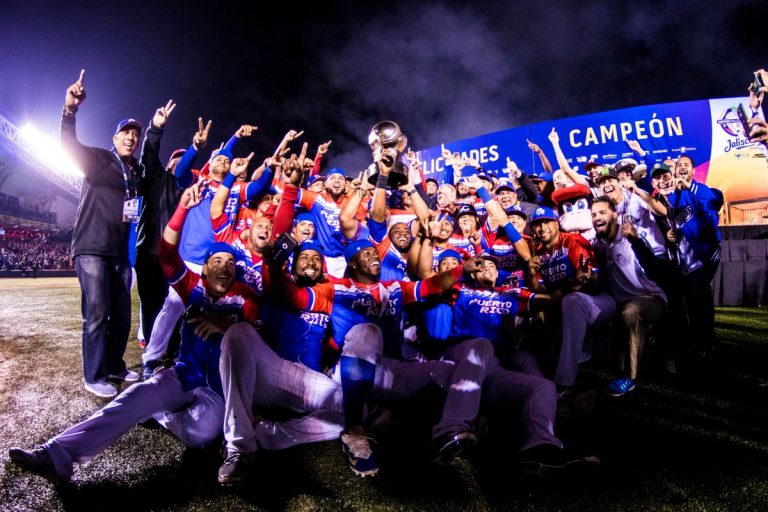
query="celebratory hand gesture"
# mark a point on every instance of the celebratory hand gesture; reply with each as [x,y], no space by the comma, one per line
[512,169]
[532,146]
[473,265]
[553,137]
[75,94]
[291,170]
[240,165]
[191,196]
[163,113]
[201,137]
[245,131]
[628,231]
[323,148]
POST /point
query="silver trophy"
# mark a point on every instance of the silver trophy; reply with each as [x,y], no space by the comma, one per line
[388,135]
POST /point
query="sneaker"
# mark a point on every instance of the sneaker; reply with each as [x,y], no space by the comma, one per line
[620,387]
[38,461]
[547,459]
[359,455]
[150,367]
[234,468]
[126,375]
[452,445]
[101,388]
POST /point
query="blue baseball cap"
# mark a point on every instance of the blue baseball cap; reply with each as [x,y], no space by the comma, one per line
[516,210]
[542,176]
[313,179]
[127,124]
[543,213]
[302,217]
[449,253]
[335,170]
[355,247]
[308,245]
[223,151]
[217,247]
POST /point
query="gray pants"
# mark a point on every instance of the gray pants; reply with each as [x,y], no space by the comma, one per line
[637,316]
[580,311]
[252,374]
[194,416]
[479,376]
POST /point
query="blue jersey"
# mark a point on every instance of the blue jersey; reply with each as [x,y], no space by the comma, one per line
[394,265]
[487,314]
[198,363]
[325,212]
[694,213]
[248,264]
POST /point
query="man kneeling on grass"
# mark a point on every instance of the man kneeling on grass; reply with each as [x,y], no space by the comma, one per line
[186,399]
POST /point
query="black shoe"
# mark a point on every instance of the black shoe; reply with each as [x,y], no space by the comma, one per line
[234,469]
[547,459]
[39,462]
[452,445]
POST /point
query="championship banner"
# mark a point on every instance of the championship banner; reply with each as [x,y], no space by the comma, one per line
[709,131]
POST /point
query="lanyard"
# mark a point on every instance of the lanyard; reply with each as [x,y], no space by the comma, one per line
[126,181]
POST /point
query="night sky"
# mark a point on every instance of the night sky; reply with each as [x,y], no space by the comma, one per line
[443,70]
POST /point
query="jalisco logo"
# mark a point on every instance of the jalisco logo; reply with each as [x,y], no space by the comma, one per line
[729,122]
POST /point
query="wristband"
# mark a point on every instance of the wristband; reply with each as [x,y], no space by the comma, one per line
[177,220]
[382,180]
[483,194]
[513,234]
[229,180]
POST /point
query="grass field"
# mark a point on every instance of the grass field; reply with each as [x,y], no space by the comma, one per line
[695,442]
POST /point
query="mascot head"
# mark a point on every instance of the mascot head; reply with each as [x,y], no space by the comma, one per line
[573,203]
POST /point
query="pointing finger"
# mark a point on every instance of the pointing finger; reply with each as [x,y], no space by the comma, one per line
[248,158]
[82,77]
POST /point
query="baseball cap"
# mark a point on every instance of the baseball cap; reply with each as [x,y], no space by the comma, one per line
[301,217]
[516,210]
[466,209]
[543,213]
[224,152]
[355,247]
[127,124]
[625,165]
[504,185]
[177,153]
[308,245]
[485,177]
[606,173]
[315,178]
[217,247]
[544,176]
[659,168]
[433,180]
[449,253]
[591,164]
[335,170]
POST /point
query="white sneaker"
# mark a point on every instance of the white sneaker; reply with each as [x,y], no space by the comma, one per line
[101,388]
[126,375]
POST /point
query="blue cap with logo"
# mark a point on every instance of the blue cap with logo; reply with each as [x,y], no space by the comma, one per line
[127,124]
[355,247]
[543,213]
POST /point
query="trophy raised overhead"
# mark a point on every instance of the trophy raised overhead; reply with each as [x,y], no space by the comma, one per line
[387,135]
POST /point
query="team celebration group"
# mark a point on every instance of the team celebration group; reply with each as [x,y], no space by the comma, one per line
[335,295]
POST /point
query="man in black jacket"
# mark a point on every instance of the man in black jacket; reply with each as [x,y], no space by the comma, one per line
[161,192]
[109,202]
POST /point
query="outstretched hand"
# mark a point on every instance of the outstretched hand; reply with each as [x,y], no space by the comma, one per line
[163,113]
[245,131]
[191,196]
[201,137]
[75,94]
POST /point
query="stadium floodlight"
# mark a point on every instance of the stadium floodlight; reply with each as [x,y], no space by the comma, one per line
[49,151]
